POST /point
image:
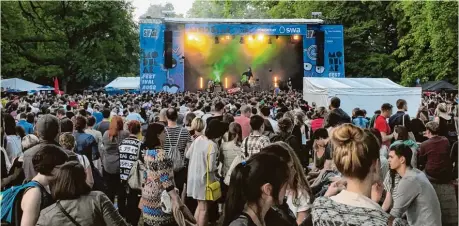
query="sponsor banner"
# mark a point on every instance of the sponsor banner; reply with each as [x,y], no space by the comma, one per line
[242,29]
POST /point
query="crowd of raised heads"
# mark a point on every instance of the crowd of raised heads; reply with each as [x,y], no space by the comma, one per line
[241,159]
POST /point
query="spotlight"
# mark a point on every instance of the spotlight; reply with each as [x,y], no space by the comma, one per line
[216,40]
[227,37]
[260,37]
[250,38]
[241,40]
[296,37]
[191,37]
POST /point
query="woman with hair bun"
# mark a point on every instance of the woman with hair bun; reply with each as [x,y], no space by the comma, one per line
[356,156]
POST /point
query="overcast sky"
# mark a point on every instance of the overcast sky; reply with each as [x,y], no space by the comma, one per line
[141,6]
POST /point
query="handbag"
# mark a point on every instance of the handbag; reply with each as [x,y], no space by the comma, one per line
[58,204]
[136,178]
[213,190]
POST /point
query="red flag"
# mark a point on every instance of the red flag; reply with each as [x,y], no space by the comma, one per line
[56,86]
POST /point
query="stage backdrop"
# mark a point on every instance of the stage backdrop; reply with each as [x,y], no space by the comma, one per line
[232,55]
[154,77]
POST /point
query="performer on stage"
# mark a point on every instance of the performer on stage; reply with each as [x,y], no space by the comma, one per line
[246,76]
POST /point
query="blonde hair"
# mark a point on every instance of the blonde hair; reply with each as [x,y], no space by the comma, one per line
[354,150]
[197,125]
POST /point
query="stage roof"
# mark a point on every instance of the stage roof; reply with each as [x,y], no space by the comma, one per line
[238,21]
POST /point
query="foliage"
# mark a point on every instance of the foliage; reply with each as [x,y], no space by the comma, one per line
[79,42]
[156,11]
[400,40]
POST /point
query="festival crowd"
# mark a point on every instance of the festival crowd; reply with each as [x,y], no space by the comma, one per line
[241,159]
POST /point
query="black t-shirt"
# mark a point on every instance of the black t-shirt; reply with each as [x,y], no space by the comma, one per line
[219,118]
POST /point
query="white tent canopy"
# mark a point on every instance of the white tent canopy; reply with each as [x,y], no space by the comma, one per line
[22,85]
[363,93]
[125,83]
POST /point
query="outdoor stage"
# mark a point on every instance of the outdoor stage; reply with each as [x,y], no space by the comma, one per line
[180,54]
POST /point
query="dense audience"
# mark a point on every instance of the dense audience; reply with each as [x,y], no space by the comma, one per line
[259,158]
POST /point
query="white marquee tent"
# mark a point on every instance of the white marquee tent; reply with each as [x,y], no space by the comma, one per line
[125,83]
[364,93]
[22,85]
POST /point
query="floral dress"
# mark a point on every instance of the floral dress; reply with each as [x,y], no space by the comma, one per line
[159,177]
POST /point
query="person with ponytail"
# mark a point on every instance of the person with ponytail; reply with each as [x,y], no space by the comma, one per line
[356,156]
[256,185]
[299,196]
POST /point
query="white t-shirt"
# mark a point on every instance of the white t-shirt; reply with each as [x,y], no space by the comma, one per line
[298,204]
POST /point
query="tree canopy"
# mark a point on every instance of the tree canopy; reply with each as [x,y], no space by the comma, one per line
[400,40]
[91,42]
[79,42]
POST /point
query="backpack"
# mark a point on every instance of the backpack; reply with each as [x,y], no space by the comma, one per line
[174,154]
[10,200]
[372,121]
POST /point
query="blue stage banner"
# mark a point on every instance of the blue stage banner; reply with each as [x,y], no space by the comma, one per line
[333,52]
[152,73]
[243,29]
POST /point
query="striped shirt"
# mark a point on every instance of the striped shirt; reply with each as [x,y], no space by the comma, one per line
[177,136]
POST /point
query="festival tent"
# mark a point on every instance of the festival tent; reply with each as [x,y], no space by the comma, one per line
[22,85]
[363,93]
[437,86]
[124,83]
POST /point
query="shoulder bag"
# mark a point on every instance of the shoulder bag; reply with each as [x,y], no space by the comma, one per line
[213,190]
[58,204]
[136,178]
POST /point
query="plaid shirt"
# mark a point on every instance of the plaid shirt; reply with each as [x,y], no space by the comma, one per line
[254,143]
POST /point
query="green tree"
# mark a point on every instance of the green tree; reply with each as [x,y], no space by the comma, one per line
[428,41]
[81,43]
[156,11]
[229,9]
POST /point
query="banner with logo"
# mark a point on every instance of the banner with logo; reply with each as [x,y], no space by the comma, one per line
[243,29]
[333,52]
[152,72]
